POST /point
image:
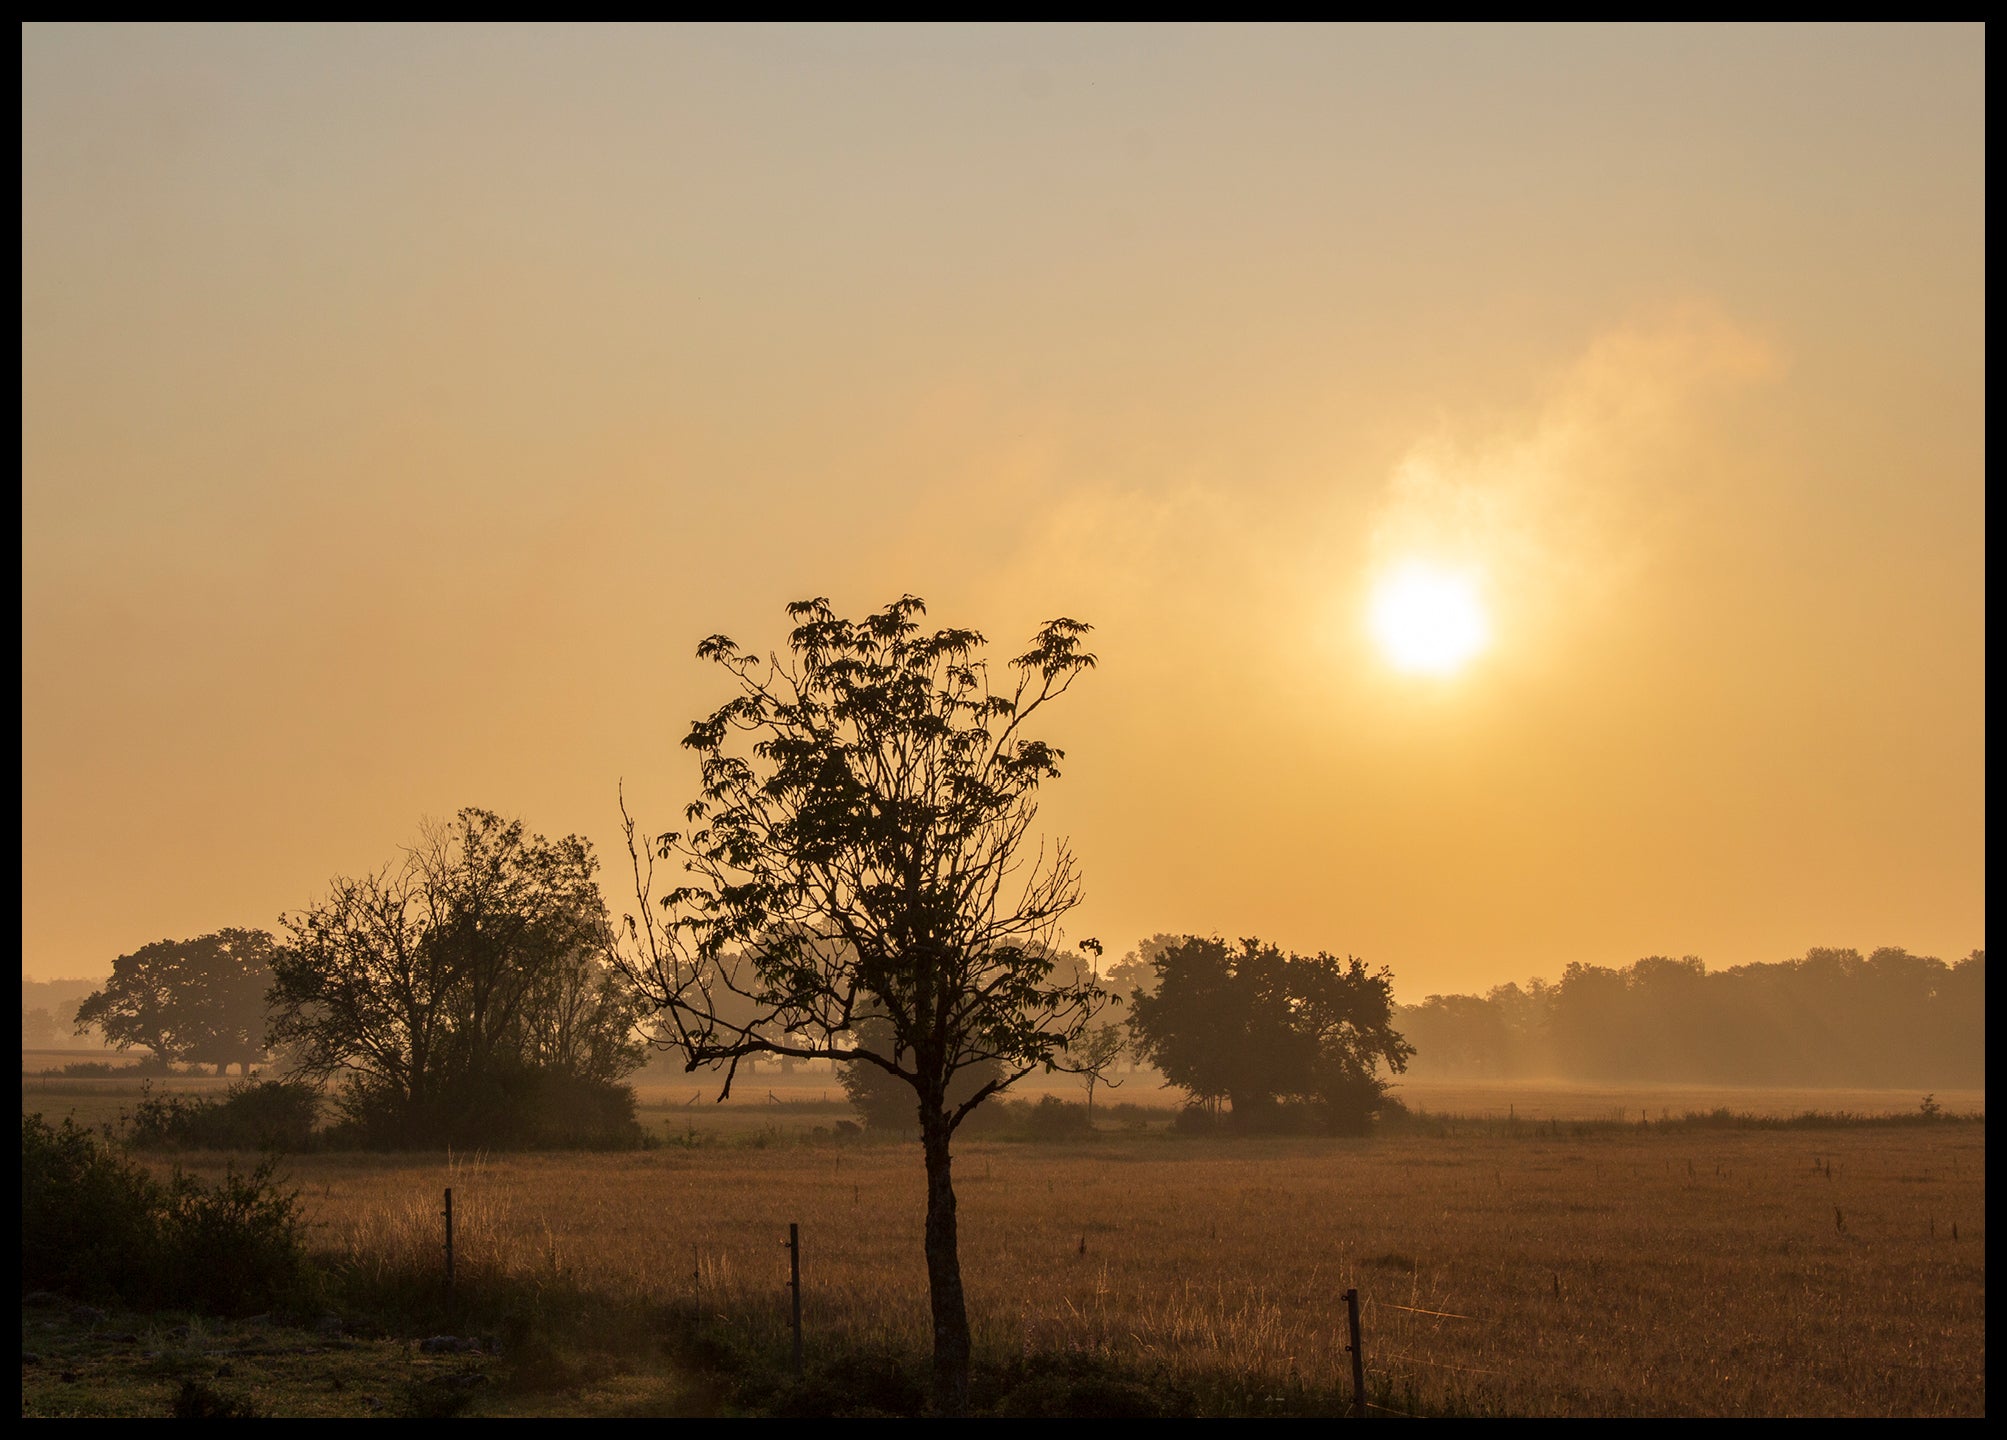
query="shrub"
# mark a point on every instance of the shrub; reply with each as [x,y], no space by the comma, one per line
[1055,1119]
[514,1108]
[95,1223]
[89,1218]
[90,1070]
[274,1115]
[236,1246]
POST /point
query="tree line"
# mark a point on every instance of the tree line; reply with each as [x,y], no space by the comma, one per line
[1831,1017]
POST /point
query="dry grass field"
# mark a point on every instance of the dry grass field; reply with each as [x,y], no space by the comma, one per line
[1522,1269]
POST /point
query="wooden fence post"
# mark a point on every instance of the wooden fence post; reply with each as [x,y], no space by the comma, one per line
[449,1245]
[1358,1359]
[794,1284]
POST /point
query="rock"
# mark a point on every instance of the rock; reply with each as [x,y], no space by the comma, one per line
[449,1345]
[88,1315]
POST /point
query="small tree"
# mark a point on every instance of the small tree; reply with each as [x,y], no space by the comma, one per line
[1099,1046]
[201,1000]
[1094,1053]
[464,983]
[868,858]
[1255,1026]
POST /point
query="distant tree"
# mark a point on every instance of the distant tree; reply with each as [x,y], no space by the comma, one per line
[1254,1026]
[1095,1053]
[1136,972]
[1460,1034]
[38,1028]
[869,857]
[1099,1046]
[198,1001]
[882,1100]
[442,987]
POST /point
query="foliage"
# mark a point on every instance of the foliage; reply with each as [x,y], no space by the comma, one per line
[95,1224]
[1831,1017]
[199,1001]
[38,1028]
[883,1101]
[1254,1026]
[89,1217]
[1051,1118]
[274,1115]
[436,985]
[1095,1053]
[511,1106]
[866,855]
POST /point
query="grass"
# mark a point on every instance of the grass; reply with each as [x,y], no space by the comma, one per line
[1509,1261]
[1618,1273]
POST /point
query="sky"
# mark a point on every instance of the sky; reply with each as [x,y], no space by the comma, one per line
[401,405]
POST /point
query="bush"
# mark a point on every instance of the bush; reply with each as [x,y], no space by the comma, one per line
[89,1218]
[236,1246]
[90,1070]
[1055,1119]
[517,1108]
[274,1115]
[95,1223]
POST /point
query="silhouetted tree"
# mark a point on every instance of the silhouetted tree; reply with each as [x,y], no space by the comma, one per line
[1460,1034]
[869,856]
[38,1028]
[458,987]
[1254,1026]
[200,1001]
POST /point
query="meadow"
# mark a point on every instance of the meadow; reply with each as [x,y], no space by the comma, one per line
[1516,1251]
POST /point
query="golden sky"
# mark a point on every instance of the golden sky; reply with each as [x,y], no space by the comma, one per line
[400,406]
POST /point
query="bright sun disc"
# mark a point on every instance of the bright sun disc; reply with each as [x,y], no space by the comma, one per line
[1428,620]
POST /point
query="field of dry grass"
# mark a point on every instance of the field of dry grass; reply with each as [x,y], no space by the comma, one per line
[1530,1270]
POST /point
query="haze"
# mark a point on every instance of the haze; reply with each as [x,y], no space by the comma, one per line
[401,406]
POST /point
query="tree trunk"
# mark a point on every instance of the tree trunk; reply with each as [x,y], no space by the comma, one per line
[944,1275]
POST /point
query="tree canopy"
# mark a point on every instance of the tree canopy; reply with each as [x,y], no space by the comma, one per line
[1256,1027]
[460,989]
[865,885]
[1830,1017]
[200,1001]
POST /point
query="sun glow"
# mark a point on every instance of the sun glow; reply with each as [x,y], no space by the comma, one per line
[1428,620]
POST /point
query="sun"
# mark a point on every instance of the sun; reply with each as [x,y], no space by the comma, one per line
[1428,620]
